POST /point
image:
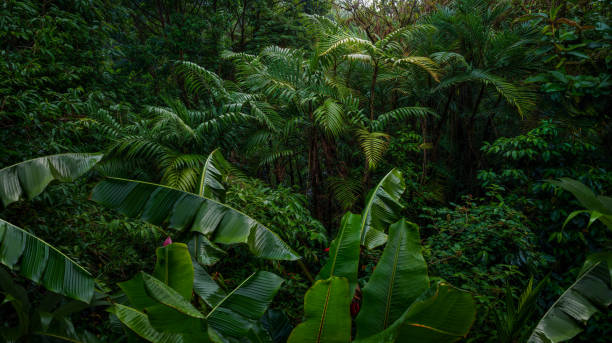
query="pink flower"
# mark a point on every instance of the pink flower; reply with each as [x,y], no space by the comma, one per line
[168,241]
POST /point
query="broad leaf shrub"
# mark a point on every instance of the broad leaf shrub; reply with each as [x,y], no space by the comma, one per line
[482,248]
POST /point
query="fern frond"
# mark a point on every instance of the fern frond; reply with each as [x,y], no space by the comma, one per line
[401,114]
[374,145]
[424,63]
[330,116]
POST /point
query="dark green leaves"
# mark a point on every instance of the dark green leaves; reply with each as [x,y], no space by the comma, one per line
[344,252]
[160,205]
[42,263]
[237,313]
[326,312]
[599,206]
[399,279]
[442,314]
[27,179]
[568,315]
[382,208]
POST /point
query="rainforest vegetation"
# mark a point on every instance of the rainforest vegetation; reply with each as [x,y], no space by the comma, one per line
[295,171]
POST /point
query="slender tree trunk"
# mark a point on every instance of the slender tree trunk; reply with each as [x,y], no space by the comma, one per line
[372,90]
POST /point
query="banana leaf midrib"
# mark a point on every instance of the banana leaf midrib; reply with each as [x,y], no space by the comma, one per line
[324,314]
[391,281]
[228,295]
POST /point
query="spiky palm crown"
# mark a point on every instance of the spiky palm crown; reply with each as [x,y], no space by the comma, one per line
[282,93]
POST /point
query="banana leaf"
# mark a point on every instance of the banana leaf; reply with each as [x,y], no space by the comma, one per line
[344,252]
[205,287]
[399,278]
[204,251]
[159,205]
[237,313]
[598,206]
[442,314]
[42,263]
[211,180]
[139,323]
[326,311]
[27,179]
[568,315]
[382,209]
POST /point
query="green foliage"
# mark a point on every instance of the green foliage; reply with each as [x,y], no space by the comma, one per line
[28,179]
[162,304]
[40,319]
[482,248]
[398,292]
[184,211]
[566,317]
[284,212]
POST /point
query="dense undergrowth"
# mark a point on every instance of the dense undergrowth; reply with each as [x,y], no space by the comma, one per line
[374,152]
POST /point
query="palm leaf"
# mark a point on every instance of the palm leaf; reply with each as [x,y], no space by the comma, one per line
[567,316]
[399,279]
[159,205]
[326,313]
[382,208]
[27,179]
[42,263]
[401,114]
[374,145]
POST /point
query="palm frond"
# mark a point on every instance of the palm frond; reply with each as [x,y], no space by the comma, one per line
[374,145]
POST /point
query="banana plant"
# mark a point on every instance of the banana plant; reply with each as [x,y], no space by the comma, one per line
[36,318]
[28,179]
[383,208]
[203,216]
[399,302]
[591,292]
[26,253]
[599,207]
[161,308]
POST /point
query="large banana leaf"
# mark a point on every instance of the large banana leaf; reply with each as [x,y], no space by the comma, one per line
[162,310]
[42,263]
[599,206]
[45,316]
[568,315]
[159,204]
[205,287]
[138,322]
[174,268]
[382,208]
[211,180]
[204,251]
[326,312]
[344,252]
[399,278]
[237,313]
[442,314]
[27,179]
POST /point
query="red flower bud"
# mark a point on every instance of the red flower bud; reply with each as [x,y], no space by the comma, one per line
[168,241]
[326,249]
[354,308]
